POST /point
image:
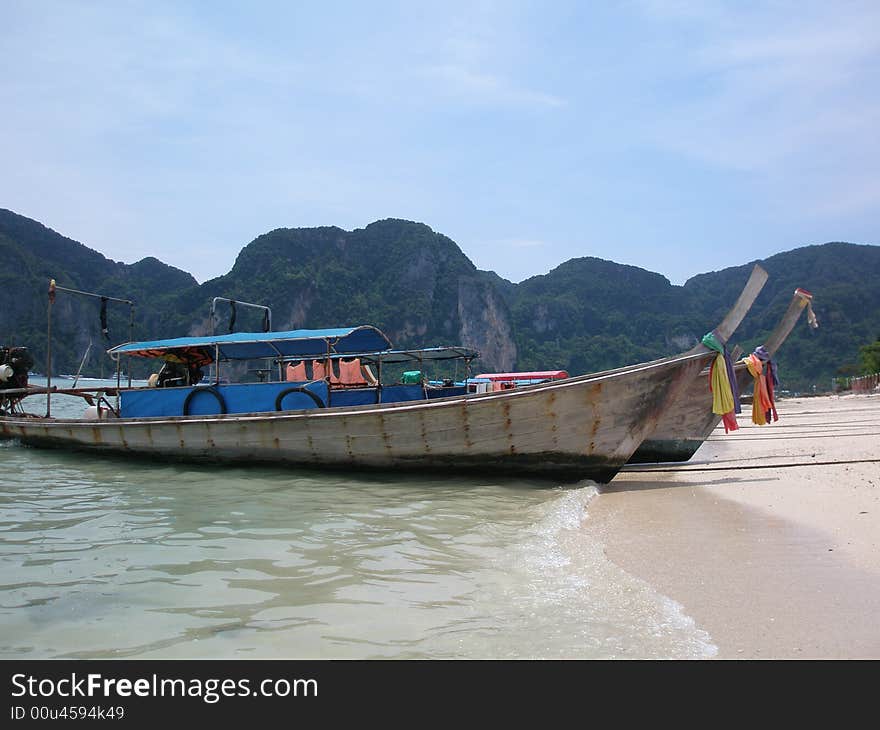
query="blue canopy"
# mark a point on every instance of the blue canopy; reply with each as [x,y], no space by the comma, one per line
[256,345]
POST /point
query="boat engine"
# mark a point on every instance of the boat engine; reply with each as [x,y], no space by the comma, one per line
[15,363]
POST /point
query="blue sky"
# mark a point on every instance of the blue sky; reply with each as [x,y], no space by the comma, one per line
[681,137]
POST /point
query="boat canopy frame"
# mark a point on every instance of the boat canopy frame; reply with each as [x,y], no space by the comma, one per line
[258,345]
[390,357]
[267,312]
[397,357]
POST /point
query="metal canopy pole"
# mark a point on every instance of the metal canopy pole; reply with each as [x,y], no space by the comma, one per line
[328,371]
[235,302]
[130,338]
[53,287]
[379,379]
[268,310]
[49,348]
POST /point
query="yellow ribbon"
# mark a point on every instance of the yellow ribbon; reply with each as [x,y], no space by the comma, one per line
[722,395]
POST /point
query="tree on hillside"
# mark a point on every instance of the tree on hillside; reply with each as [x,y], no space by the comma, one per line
[871,358]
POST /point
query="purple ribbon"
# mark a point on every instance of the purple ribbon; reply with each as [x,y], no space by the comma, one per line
[734,386]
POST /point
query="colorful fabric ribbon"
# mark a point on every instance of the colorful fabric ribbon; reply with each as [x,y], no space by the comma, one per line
[808,303]
[722,383]
[763,406]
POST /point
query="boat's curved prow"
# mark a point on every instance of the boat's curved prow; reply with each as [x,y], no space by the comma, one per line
[685,427]
[734,317]
[801,300]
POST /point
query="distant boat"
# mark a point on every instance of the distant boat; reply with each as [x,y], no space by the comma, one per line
[684,427]
[583,427]
[490,382]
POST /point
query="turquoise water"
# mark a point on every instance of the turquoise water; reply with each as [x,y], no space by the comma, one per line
[117,558]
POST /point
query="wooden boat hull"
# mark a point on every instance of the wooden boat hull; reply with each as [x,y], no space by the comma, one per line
[585,427]
[685,426]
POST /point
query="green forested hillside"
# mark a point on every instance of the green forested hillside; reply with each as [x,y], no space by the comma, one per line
[401,276]
[589,314]
[32,254]
[412,283]
[416,285]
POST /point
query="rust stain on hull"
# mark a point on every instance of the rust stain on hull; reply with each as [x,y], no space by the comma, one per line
[508,426]
[466,427]
[426,441]
[383,432]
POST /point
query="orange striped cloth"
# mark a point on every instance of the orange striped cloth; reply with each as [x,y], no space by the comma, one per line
[763,408]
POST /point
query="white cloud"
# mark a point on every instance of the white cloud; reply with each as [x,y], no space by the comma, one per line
[486,87]
[784,93]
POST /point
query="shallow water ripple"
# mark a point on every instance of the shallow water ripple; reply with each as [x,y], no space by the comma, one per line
[113,558]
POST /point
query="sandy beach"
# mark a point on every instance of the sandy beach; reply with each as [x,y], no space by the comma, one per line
[769,537]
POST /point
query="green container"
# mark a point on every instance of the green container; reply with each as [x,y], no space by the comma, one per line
[412,377]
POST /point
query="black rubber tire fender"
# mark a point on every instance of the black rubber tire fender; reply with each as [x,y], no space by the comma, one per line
[210,389]
[298,389]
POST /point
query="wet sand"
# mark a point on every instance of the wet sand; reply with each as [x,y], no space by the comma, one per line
[769,537]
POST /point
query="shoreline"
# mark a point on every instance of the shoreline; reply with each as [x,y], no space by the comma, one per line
[769,537]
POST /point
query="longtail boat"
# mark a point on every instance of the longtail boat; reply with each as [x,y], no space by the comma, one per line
[583,427]
[685,426]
